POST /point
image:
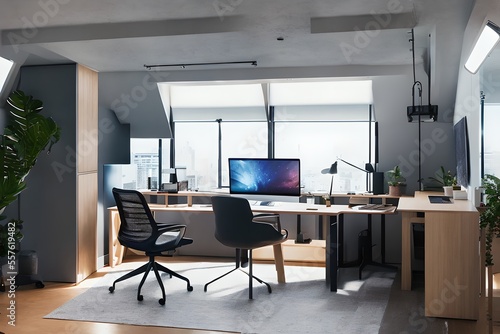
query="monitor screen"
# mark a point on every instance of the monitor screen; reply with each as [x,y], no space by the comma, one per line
[264,176]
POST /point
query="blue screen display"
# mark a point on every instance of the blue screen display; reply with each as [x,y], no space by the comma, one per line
[264,176]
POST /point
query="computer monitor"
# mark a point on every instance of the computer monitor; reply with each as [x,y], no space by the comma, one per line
[259,176]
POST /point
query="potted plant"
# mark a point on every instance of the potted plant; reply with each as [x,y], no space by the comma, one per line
[490,225]
[447,180]
[396,181]
[24,138]
[490,214]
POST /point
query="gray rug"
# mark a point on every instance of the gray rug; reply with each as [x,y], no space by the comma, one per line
[303,305]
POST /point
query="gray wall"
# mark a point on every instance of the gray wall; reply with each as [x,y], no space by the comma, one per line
[135,99]
[114,148]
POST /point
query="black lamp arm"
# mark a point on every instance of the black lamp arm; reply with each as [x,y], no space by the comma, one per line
[350,164]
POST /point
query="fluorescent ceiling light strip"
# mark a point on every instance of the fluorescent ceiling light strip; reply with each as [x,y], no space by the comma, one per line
[5,68]
[485,44]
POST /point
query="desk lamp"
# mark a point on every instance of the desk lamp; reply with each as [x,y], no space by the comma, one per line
[377,186]
[332,170]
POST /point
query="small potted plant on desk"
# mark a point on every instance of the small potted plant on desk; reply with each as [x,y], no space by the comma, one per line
[396,182]
[447,180]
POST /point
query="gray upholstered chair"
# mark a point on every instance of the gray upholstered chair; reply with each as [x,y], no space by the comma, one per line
[236,227]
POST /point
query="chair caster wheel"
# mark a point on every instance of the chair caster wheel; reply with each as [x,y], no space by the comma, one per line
[190,288]
[39,285]
[161,301]
[140,298]
[111,289]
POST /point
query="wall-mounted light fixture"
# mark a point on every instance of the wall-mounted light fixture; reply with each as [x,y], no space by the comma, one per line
[488,39]
[249,62]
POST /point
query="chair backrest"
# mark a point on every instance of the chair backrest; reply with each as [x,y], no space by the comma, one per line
[137,221]
[234,225]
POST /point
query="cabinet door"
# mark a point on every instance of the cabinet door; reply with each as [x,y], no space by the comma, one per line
[452,266]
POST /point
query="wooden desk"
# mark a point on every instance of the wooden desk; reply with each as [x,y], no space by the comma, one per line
[116,251]
[452,265]
[360,199]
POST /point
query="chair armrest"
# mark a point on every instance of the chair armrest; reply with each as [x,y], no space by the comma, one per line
[270,218]
[164,227]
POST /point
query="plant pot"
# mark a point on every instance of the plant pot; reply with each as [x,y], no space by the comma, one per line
[448,191]
[397,190]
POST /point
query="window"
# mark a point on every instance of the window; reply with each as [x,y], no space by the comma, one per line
[196,149]
[199,153]
[5,68]
[491,139]
[317,122]
[318,145]
[145,154]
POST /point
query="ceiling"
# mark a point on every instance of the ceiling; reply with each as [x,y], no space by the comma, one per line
[124,35]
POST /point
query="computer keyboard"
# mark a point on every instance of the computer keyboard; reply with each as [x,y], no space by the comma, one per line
[373,207]
[263,203]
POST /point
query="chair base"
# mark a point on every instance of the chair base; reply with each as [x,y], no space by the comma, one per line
[146,268]
[249,274]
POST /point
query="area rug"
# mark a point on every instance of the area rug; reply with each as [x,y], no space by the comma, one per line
[302,305]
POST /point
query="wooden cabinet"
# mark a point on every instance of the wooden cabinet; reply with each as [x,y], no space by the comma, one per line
[452,259]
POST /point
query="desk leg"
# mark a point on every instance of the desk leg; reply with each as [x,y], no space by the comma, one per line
[406,219]
[340,241]
[116,250]
[332,247]
[279,262]
[382,237]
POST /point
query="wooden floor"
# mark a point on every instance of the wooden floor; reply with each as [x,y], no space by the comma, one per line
[33,304]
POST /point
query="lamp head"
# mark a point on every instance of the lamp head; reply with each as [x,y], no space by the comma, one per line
[369,168]
[331,170]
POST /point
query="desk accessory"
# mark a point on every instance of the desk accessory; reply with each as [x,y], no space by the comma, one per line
[439,199]
[169,187]
[459,194]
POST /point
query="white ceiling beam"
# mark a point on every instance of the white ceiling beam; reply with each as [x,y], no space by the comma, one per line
[104,31]
[379,21]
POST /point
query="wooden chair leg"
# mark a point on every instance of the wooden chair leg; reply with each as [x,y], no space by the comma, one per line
[279,262]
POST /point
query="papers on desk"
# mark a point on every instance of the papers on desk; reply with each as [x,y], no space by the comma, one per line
[373,207]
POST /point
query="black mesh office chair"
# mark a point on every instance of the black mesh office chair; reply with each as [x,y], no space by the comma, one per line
[139,230]
[236,227]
